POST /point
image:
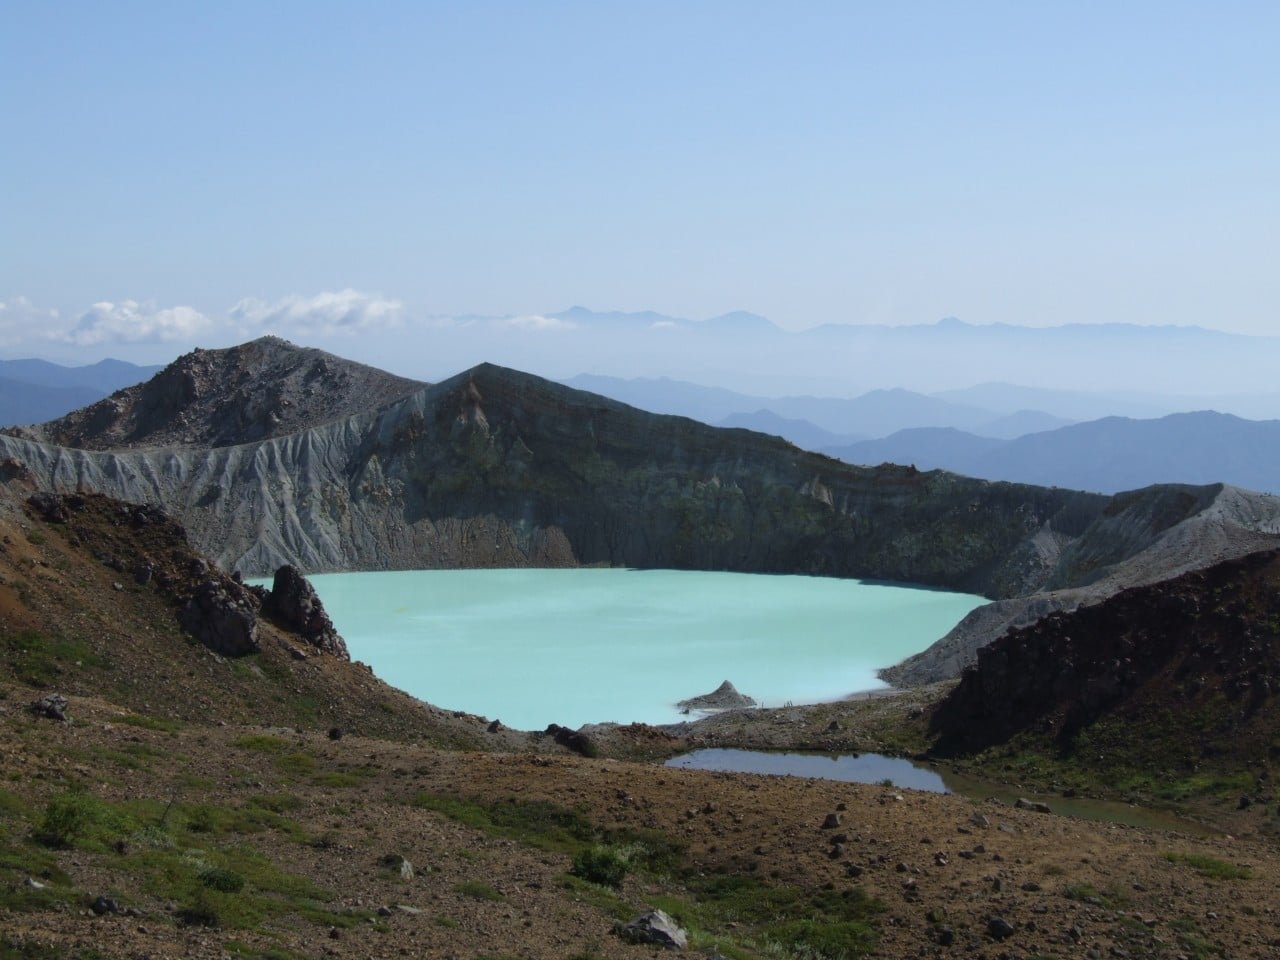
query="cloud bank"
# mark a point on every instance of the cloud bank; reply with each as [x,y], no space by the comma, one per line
[20,318]
[132,322]
[536,323]
[324,314]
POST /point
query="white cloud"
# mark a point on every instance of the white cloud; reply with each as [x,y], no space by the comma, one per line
[20,320]
[345,311]
[132,322]
[663,325]
[537,323]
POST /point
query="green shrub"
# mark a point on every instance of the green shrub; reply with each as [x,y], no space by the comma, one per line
[220,878]
[67,819]
[606,866]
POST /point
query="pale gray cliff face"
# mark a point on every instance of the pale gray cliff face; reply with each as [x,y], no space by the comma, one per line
[495,468]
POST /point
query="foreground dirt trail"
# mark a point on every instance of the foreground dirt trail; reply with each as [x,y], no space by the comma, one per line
[956,877]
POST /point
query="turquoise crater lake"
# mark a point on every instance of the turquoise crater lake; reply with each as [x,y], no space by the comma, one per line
[533,647]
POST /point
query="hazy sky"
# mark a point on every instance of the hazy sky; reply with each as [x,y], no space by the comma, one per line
[185,173]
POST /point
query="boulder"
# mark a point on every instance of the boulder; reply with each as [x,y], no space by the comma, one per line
[656,928]
[53,706]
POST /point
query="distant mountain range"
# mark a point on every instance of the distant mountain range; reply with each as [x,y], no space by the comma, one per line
[877,413]
[32,391]
[1105,456]
[745,352]
[1001,441]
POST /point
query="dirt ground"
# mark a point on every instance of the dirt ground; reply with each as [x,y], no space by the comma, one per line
[957,877]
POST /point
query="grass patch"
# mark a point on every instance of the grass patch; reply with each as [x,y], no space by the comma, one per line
[730,910]
[231,886]
[22,861]
[150,723]
[38,660]
[256,814]
[536,823]
[261,743]
[1208,866]
[12,805]
[604,899]
[298,764]
[479,890]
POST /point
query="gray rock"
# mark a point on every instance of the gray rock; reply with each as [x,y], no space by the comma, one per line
[656,928]
[221,617]
[1035,806]
[53,706]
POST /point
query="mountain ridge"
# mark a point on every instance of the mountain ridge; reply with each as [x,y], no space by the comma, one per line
[494,467]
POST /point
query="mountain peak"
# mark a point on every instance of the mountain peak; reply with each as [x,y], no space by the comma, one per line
[257,390]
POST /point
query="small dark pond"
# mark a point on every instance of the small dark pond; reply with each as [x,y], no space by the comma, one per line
[863,768]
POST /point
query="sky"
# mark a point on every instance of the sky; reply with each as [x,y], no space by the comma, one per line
[177,174]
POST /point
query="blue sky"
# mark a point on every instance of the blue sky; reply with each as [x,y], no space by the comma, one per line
[1025,163]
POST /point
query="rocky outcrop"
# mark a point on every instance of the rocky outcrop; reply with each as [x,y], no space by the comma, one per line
[222,617]
[723,697]
[293,602]
[1157,655]
[497,468]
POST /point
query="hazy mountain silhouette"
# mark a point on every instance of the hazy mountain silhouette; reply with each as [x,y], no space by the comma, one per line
[1105,456]
[877,413]
[800,432]
[32,391]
